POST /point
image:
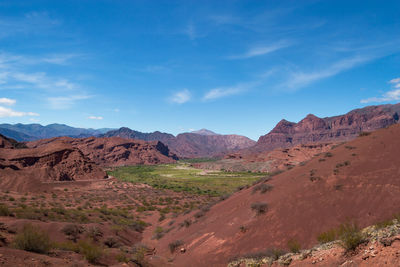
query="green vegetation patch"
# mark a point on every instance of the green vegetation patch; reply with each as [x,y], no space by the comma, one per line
[181,177]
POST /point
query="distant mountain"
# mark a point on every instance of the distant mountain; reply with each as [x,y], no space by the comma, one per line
[29,132]
[312,129]
[204,132]
[189,145]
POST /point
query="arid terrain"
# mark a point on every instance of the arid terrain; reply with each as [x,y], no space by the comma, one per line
[117,201]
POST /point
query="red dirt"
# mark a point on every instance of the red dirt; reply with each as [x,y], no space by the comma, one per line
[354,182]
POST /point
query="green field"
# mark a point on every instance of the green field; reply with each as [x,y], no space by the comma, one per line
[181,177]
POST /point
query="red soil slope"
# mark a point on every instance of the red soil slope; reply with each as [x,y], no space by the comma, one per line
[26,168]
[358,181]
[115,151]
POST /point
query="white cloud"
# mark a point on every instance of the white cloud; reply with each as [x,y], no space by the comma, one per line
[261,50]
[7,101]
[301,79]
[7,112]
[227,91]
[65,102]
[181,97]
[393,95]
[95,117]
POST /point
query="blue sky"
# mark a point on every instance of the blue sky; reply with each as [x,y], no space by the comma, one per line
[228,66]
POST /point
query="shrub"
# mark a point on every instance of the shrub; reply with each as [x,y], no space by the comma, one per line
[4,211]
[72,231]
[112,242]
[327,236]
[293,245]
[174,245]
[259,207]
[361,134]
[199,214]
[328,155]
[263,188]
[350,236]
[90,251]
[33,239]
[94,233]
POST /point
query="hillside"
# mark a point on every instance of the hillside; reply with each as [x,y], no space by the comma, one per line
[190,145]
[115,151]
[312,129]
[351,182]
[26,169]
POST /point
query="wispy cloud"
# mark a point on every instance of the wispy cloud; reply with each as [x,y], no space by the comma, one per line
[393,95]
[261,50]
[221,92]
[8,112]
[65,102]
[95,117]
[181,97]
[7,101]
[298,80]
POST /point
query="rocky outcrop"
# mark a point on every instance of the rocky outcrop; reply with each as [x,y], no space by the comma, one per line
[26,168]
[116,151]
[190,145]
[331,129]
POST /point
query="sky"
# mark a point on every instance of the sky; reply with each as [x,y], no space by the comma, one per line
[234,67]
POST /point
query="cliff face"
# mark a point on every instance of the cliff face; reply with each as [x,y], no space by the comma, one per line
[331,129]
[24,169]
[116,151]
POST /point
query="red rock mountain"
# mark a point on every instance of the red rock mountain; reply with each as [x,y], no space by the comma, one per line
[25,169]
[331,129]
[353,182]
[190,145]
[116,151]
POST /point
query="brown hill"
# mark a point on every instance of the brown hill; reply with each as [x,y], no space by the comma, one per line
[331,129]
[116,151]
[356,181]
[26,168]
[190,145]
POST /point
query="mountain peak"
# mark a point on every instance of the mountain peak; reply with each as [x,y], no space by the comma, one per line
[204,132]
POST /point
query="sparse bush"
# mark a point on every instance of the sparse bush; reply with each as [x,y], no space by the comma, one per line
[259,207]
[350,235]
[263,188]
[94,233]
[90,251]
[72,231]
[4,210]
[294,246]
[361,134]
[327,236]
[199,214]
[243,229]
[33,239]
[112,242]
[174,245]
[328,155]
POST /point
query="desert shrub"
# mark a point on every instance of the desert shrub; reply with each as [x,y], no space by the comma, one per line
[122,257]
[263,188]
[174,245]
[33,239]
[185,223]
[321,159]
[294,245]
[350,235]
[328,155]
[383,224]
[90,251]
[259,207]
[199,214]
[243,229]
[327,236]
[361,134]
[72,231]
[94,233]
[272,253]
[4,210]
[112,242]
[138,226]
